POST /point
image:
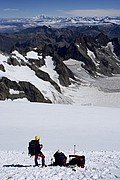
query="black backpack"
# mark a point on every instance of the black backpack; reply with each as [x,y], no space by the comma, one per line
[77,160]
[31,148]
[60,159]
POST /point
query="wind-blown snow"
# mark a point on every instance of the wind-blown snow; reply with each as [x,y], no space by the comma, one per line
[49,68]
[94,131]
[92,56]
[18,56]
[33,55]
[13,91]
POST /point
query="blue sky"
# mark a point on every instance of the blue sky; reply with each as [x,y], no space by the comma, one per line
[29,8]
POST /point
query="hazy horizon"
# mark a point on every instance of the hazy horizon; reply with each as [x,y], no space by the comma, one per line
[21,9]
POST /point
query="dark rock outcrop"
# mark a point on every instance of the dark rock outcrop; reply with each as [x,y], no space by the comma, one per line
[26,90]
[32,93]
[103,58]
[116,45]
[64,73]
[2,68]
[13,61]
[78,51]
[4,91]
[10,84]
[102,39]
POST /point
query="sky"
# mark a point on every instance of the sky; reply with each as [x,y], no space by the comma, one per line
[30,8]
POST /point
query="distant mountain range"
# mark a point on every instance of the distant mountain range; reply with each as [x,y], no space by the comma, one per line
[15,25]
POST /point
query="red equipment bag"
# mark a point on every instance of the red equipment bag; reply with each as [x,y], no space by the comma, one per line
[77,160]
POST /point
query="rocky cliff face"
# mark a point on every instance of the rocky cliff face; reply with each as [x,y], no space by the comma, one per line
[25,74]
[100,55]
[34,67]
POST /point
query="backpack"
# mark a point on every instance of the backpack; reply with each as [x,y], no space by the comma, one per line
[60,159]
[77,160]
[31,148]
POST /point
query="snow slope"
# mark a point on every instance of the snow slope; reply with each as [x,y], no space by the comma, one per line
[94,131]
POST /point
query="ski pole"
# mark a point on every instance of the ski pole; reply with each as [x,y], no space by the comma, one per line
[74,149]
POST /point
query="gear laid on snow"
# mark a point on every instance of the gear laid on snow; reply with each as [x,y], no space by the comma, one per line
[60,159]
[77,160]
[74,160]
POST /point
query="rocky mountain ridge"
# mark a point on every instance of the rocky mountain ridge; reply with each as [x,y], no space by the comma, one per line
[36,66]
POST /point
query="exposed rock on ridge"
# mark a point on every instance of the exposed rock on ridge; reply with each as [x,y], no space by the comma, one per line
[99,56]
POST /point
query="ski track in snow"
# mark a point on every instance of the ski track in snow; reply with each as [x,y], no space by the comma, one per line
[99,165]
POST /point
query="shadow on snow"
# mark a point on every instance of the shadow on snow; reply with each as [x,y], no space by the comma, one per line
[17,165]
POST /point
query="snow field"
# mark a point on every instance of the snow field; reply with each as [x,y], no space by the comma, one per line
[94,131]
[99,165]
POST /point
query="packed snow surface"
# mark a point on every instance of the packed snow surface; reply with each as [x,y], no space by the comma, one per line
[94,131]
